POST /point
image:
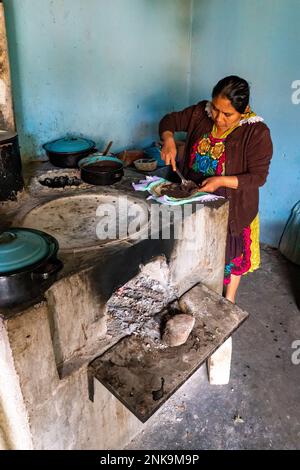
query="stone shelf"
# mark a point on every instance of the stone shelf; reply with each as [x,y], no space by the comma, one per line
[143,373]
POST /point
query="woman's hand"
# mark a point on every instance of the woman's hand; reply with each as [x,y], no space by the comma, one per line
[169,151]
[210,185]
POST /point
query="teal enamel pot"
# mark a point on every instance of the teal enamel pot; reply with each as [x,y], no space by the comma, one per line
[66,152]
[28,265]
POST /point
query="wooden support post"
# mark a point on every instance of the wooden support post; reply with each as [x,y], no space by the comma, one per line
[7,121]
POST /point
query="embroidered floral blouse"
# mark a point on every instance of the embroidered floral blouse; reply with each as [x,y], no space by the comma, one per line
[208,156]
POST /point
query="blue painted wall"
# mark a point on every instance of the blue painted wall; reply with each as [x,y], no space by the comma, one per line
[258,40]
[105,69]
[110,69]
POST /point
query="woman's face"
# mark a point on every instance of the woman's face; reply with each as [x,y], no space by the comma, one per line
[224,114]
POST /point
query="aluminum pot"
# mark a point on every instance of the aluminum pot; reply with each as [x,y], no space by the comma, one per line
[28,265]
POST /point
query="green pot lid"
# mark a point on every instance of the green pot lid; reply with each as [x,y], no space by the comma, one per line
[20,248]
[69,145]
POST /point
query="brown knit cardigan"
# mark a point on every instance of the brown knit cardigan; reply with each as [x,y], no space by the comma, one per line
[248,153]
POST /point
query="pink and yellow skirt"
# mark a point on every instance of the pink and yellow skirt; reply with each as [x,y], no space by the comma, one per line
[242,252]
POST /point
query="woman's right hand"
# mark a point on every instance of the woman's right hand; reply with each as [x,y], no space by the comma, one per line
[169,151]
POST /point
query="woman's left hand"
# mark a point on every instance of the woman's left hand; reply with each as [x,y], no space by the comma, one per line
[210,185]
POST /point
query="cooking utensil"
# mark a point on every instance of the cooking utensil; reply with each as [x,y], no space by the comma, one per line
[28,265]
[107,148]
[145,164]
[66,152]
[101,170]
[11,180]
[187,186]
[183,180]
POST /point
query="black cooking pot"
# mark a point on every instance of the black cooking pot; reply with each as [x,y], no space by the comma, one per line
[28,265]
[101,170]
[66,152]
[11,180]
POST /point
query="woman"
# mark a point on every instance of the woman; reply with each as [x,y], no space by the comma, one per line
[228,152]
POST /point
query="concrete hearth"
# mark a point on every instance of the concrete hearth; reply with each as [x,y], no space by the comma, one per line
[73,220]
[46,347]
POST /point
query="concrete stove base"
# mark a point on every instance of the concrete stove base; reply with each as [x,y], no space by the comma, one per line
[46,348]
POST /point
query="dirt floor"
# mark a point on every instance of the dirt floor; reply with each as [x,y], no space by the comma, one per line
[260,408]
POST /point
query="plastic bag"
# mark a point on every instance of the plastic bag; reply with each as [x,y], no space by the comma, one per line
[289,244]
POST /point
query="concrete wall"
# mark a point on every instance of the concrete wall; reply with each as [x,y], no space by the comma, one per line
[258,40]
[105,69]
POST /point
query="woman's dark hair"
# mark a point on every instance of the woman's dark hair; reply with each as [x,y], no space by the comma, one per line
[235,89]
